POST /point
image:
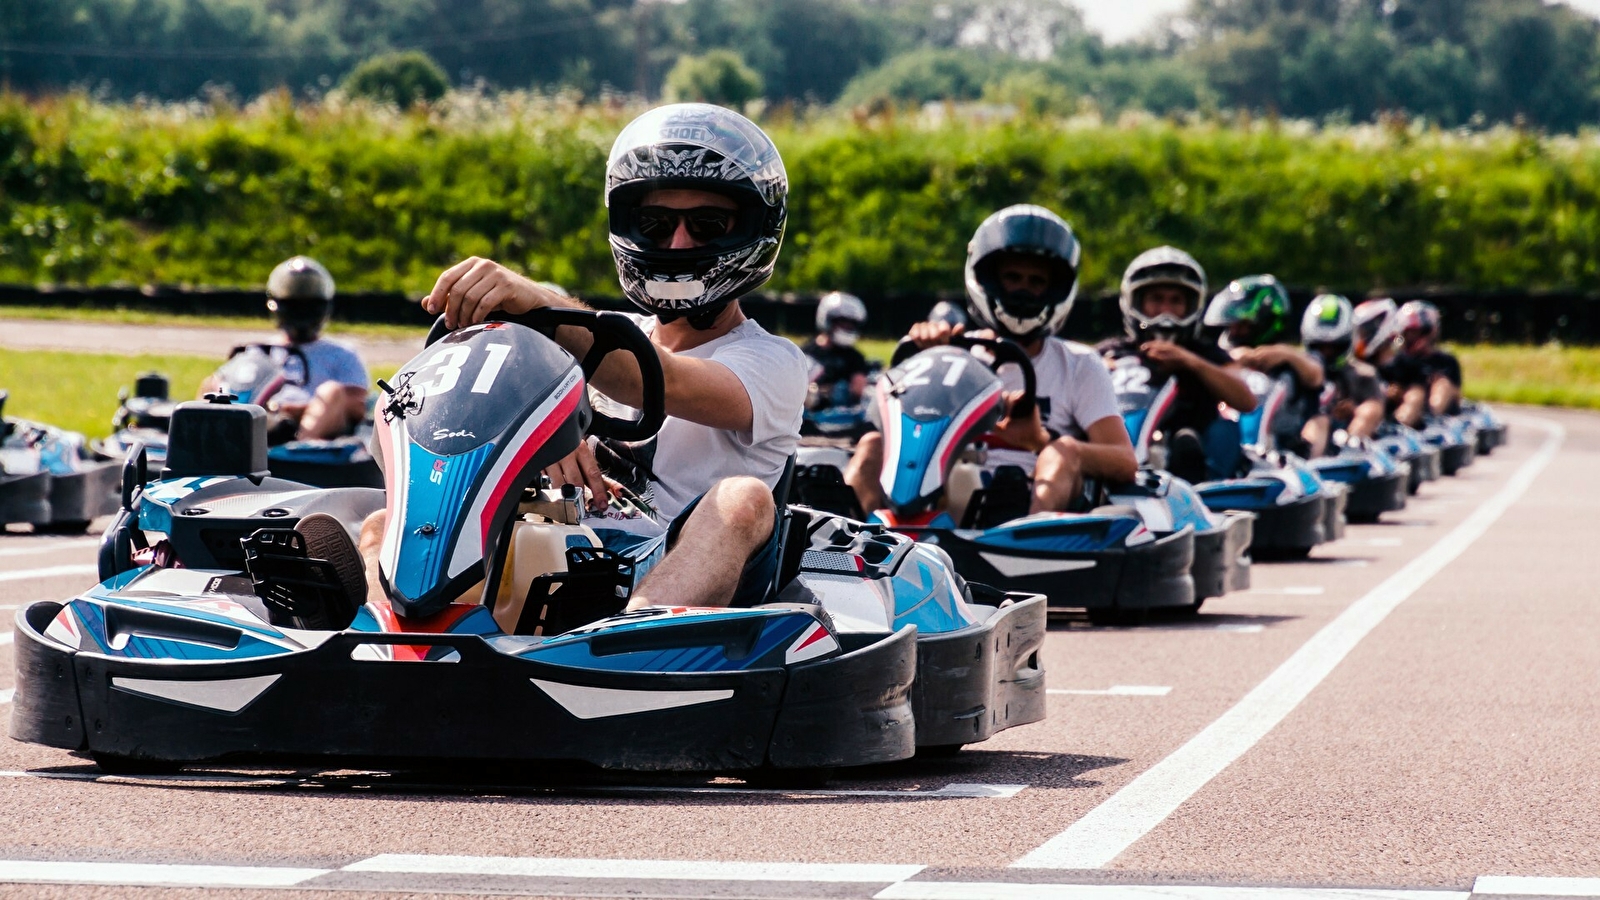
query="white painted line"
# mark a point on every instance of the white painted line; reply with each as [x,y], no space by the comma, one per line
[6,695]
[49,572]
[7,637]
[1128,815]
[1543,887]
[36,547]
[945,890]
[948,792]
[1308,590]
[1119,690]
[641,869]
[153,875]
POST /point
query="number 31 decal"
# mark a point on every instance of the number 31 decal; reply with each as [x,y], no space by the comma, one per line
[444,368]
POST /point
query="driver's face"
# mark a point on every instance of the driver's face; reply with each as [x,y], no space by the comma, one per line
[686,199]
[1164,300]
[1023,273]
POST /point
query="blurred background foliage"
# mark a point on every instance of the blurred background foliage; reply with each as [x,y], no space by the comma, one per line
[1451,62]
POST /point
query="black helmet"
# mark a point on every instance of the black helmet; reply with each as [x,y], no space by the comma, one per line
[701,147]
[300,298]
[1024,230]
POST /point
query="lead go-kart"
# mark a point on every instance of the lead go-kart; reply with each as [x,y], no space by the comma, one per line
[213,638]
[1130,548]
[252,373]
[51,478]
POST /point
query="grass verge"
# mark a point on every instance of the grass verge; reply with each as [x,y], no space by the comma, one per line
[142,317]
[1550,375]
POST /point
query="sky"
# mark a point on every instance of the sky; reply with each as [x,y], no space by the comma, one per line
[1124,20]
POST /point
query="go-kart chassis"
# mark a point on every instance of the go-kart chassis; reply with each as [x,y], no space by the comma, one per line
[25,498]
[1222,556]
[1372,496]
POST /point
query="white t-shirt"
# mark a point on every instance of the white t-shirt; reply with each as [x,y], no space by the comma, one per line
[329,361]
[687,458]
[1074,390]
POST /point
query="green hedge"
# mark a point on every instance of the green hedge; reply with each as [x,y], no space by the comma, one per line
[94,193]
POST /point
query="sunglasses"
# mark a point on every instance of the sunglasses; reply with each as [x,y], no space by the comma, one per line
[704,223]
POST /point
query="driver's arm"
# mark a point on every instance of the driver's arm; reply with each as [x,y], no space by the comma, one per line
[1108,452]
[1226,383]
[1412,405]
[1369,415]
[698,390]
[1307,369]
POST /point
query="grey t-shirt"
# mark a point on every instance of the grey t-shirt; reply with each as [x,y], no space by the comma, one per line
[329,360]
[684,459]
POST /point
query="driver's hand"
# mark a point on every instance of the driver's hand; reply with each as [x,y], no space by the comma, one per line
[580,468]
[933,334]
[471,289]
[1168,355]
[1027,431]
[1344,410]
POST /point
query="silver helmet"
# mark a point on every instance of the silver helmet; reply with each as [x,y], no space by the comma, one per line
[1163,266]
[300,297]
[1022,230]
[837,306]
[694,146]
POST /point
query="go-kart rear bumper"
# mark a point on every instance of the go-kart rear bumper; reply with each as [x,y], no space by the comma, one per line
[1222,556]
[981,680]
[1426,466]
[1294,526]
[1372,496]
[1141,576]
[319,706]
[86,494]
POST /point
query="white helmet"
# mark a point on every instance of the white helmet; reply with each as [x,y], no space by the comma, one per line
[837,305]
[1329,324]
[1377,325]
[1161,266]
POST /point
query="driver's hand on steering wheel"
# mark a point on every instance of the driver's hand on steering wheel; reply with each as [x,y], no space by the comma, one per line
[1026,432]
[467,292]
[1168,354]
[579,468]
[933,334]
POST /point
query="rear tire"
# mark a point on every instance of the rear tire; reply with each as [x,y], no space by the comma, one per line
[1114,617]
[66,527]
[939,751]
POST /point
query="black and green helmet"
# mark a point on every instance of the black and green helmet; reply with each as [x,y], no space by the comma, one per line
[1254,311]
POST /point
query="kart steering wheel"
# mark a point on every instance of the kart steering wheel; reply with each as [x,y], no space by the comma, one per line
[611,332]
[271,352]
[1003,350]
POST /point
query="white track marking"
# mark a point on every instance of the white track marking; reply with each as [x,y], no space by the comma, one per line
[1541,887]
[7,637]
[636,869]
[151,874]
[1119,690]
[34,548]
[946,890]
[1128,815]
[948,792]
[6,695]
[1309,590]
[49,572]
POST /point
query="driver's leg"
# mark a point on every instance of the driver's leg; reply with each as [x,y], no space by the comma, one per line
[1224,448]
[731,522]
[865,472]
[1057,477]
[369,546]
[1315,434]
[334,411]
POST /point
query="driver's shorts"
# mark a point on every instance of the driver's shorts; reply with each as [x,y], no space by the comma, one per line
[755,582]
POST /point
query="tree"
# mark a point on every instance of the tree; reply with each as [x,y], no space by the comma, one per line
[719,76]
[404,79]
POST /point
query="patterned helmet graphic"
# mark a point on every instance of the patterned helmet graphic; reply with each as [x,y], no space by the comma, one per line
[1329,327]
[1254,310]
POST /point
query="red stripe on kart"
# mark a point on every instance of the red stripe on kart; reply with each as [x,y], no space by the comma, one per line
[982,410]
[536,440]
[817,633]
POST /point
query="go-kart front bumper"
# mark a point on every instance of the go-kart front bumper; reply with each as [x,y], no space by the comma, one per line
[1222,556]
[1139,576]
[320,706]
[981,680]
[1372,496]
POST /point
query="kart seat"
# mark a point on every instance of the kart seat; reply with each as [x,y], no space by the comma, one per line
[1007,496]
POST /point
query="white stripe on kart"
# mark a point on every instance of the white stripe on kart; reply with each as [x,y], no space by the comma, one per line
[49,572]
[153,874]
[636,869]
[956,791]
[1019,566]
[1132,812]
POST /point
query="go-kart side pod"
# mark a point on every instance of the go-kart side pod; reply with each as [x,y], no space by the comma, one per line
[1287,528]
[345,699]
[1077,561]
[1457,444]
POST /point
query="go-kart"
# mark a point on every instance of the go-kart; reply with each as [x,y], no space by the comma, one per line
[253,373]
[1295,509]
[831,412]
[1457,440]
[1375,481]
[51,478]
[1406,445]
[1491,429]
[1122,555]
[214,638]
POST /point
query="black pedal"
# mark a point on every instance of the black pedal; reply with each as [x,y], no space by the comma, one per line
[596,584]
[299,592]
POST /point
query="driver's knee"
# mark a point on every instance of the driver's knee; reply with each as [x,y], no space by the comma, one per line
[372,528]
[867,461]
[743,506]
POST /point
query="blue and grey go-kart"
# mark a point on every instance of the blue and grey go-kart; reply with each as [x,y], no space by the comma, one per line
[1406,445]
[253,373]
[933,407]
[1295,509]
[1457,440]
[1491,429]
[214,638]
[51,479]
[1376,481]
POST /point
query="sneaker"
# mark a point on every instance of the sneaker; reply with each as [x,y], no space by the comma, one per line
[326,539]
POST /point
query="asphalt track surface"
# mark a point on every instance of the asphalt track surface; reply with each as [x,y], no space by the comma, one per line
[1412,712]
